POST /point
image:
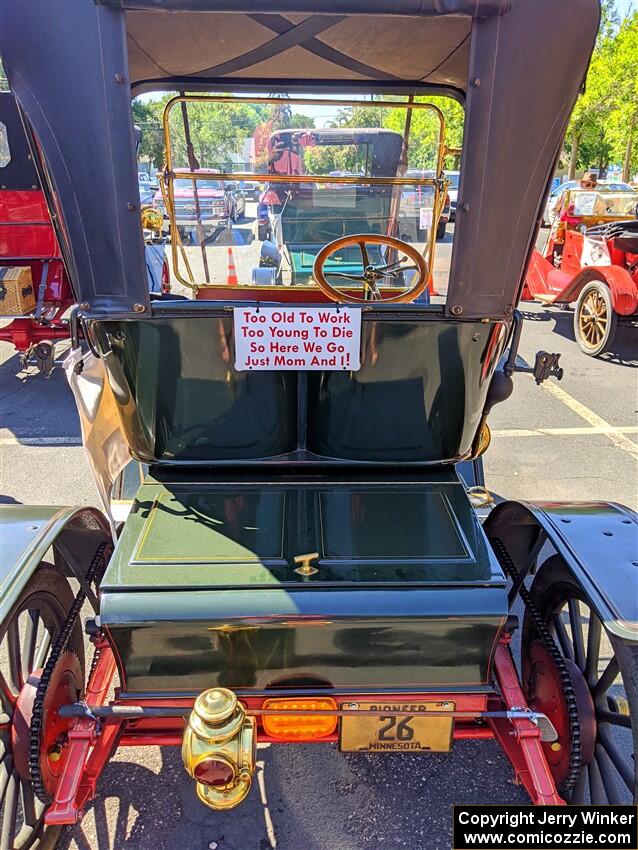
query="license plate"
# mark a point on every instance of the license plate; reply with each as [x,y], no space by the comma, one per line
[412,732]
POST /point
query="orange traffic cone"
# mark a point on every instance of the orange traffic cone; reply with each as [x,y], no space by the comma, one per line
[431,288]
[231,276]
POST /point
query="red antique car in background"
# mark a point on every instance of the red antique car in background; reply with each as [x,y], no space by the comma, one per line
[27,239]
[591,258]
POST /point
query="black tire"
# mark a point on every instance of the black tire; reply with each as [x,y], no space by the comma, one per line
[595,321]
[48,593]
[553,586]
[440,231]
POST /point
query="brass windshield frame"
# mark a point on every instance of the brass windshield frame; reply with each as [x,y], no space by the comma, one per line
[169,175]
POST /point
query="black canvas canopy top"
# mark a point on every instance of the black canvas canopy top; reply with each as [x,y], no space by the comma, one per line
[517,66]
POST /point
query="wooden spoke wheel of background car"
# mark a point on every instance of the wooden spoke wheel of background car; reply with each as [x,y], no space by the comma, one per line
[372,275]
[603,673]
[595,321]
[27,636]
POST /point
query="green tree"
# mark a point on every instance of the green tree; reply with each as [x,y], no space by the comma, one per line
[621,130]
[604,122]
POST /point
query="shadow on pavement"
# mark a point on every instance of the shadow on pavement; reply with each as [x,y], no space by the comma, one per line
[623,351]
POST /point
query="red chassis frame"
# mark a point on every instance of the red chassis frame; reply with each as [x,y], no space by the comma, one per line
[91,742]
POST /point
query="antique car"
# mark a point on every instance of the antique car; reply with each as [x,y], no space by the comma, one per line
[34,320]
[303,561]
[554,201]
[36,303]
[299,218]
[590,259]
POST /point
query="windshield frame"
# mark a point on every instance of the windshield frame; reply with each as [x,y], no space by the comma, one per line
[171,173]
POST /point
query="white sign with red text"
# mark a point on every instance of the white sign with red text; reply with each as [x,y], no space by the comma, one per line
[297,337]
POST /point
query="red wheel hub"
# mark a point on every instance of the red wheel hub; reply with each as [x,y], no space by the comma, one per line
[65,687]
[544,691]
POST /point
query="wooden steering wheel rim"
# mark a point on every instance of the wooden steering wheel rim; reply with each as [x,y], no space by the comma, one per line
[370,239]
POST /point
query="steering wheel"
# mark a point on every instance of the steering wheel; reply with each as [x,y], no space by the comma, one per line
[371,274]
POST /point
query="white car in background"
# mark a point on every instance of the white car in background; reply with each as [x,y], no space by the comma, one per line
[556,194]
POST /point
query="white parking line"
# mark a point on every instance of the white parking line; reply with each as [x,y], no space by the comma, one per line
[564,432]
[596,421]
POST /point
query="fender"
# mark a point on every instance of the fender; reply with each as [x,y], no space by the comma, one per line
[598,541]
[28,532]
[624,294]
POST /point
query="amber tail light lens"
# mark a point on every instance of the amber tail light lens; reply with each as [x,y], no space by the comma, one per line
[304,726]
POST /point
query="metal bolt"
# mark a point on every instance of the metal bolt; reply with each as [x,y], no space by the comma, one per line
[508,310]
[556,747]
[130,206]
[118,78]
[476,82]
[84,305]
[457,310]
[139,308]
[465,206]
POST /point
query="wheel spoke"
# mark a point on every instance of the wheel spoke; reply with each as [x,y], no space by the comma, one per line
[10,809]
[6,769]
[608,776]
[356,277]
[578,794]
[624,768]
[15,662]
[563,637]
[43,650]
[364,255]
[593,648]
[30,640]
[596,785]
[606,680]
[577,633]
[28,803]
[615,718]
[8,696]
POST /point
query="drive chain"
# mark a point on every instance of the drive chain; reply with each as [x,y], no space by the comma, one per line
[548,641]
[93,573]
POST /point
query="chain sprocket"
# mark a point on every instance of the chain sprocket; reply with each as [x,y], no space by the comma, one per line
[575,755]
[94,573]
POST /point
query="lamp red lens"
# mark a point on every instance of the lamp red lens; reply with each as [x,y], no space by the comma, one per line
[214,772]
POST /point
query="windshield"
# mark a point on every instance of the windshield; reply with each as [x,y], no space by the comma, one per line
[453,180]
[602,203]
[322,169]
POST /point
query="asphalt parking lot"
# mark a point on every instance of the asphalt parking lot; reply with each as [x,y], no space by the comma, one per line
[573,440]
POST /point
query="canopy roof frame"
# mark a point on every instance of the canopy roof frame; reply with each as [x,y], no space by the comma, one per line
[524,65]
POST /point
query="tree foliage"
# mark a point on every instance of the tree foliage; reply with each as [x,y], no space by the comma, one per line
[604,124]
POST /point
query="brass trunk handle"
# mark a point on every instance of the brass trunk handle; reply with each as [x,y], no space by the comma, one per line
[306,568]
